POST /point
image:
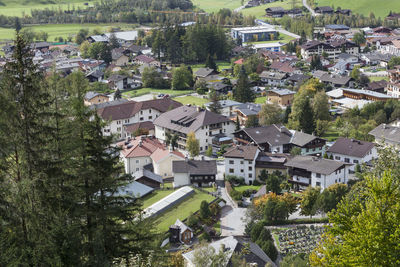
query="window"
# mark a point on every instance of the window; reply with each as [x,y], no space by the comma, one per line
[231,162]
[141,118]
[241,162]
[150,117]
[340,180]
[201,148]
[137,161]
[347,160]
[307,149]
[137,169]
[318,175]
[141,112]
[231,171]
[335,180]
[355,161]
[318,183]
[337,157]
[127,121]
[250,168]
[119,129]
[241,170]
[250,175]
[118,122]
[149,110]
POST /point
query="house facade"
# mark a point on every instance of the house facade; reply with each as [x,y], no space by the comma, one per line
[240,161]
[196,172]
[315,171]
[332,49]
[186,119]
[282,97]
[387,134]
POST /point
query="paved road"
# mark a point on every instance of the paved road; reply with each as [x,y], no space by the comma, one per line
[309,8]
[240,8]
[297,215]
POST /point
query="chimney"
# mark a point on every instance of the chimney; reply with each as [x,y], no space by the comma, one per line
[140,143]
[186,159]
[384,126]
[198,109]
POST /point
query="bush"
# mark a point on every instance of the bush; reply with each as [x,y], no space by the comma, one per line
[256,230]
[270,249]
[235,179]
[236,195]
[192,221]
[256,182]
[205,236]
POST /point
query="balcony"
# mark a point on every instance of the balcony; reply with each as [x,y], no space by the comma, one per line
[215,127]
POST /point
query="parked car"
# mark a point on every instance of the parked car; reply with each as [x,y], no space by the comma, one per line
[161,95]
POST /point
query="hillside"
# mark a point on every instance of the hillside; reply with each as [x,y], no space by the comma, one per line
[380,8]
[215,5]
[259,11]
[20,7]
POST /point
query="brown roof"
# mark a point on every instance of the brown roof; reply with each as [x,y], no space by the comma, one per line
[131,128]
[130,108]
[144,58]
[140,146]
[282,66]
[196,167]
[243,152]
[315,164]
[351,147]
[377,85]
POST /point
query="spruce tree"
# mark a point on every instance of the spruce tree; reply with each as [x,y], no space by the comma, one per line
[242,92]
[215,105]
[306,118]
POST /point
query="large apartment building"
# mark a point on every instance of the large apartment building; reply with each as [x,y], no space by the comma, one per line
[332,49]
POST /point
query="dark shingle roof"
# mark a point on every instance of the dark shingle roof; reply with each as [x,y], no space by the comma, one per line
[148,174]
[314,164]
[272,134]
[203,72]
[199,167]
[243,152]
[351,147]
[186,119]
[387,132]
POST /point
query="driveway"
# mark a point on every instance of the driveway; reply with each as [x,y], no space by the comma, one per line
[231,221]
[309,8]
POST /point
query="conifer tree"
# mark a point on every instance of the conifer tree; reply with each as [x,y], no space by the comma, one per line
[242,92]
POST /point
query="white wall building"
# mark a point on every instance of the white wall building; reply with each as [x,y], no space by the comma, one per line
[240,161]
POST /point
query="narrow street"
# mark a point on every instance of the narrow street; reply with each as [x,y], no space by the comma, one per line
[309,8]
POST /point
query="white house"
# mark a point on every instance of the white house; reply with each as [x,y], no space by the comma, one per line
[122,113]
[273,78]
[389,134]
[227,107]
[185,119]
[315,171]
[241,162]
[138,152]
[352,151]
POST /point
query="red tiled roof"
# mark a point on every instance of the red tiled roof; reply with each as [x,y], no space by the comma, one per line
[160,154]
[140,146]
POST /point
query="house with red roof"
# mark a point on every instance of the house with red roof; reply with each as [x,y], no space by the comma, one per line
[142,151]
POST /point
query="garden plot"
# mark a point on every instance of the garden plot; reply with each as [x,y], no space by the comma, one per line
[299,239]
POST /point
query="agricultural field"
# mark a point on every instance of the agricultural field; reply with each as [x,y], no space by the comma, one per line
[155,196]
[64,30]
[182,210]
[365,7]
[259,11]
[215,5]
[20,8]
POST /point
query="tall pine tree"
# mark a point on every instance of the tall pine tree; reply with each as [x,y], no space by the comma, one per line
[242,92]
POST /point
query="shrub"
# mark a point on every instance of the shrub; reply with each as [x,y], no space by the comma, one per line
[256,230]
[236,195]
[192,221]
[205,236]
[270,249]
[256,182]
[235,179]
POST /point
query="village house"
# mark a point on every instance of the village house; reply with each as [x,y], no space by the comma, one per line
[271,162]
[387,134]
[315,171]
[240,161]
[203,73]
[180,232]
[275,12]
[227,107]
[324,10]
[278,139]
[273,78]
[148,178]
[144,151]
[254,34]
[120,114]
[139,128]
[352,151]
[119,58]
[245,111]
[186,119]
[332,49]
[282,97]
[146,61]
[393,86]
[196,172]
[95,98]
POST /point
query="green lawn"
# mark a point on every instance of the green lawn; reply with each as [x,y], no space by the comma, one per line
[375,78]
[217,227]
[215,5]
[23,7]
[243,188]
[155,91]
[210,189]
[380,8]
[283,38]
[182,210]
[154,197]
[259,11]
[191,100]
[64,30]
[331,135]
[260,100]
[220,64]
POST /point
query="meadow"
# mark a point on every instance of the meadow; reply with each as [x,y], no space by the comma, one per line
[380,8]
[215,5]
[20,8]
[259,11]
[64,30]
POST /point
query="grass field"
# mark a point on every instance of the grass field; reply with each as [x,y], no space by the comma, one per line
[243,188]
[215,5]
[154,197]
[283,38]
[182,210]
[260,100]
[20,8]
[380,8]
[220,64]
[155,91]
[377,78]
[259,11]
[192,100]
[64,30]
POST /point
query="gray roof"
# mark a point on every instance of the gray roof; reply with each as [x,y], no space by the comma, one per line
[315,164]
[298,78]
[367,92]
[225,103]
[186,119]
[125,36]
[244,152]
[249,109]
[203,72]
[135,189]
[301,139]
[90,95]
[99,38]
[282,91]
[351,147]
[273,75]
[196,167]
[146,173]
[336,79]
[273,134]
[183,227]
[387,132]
